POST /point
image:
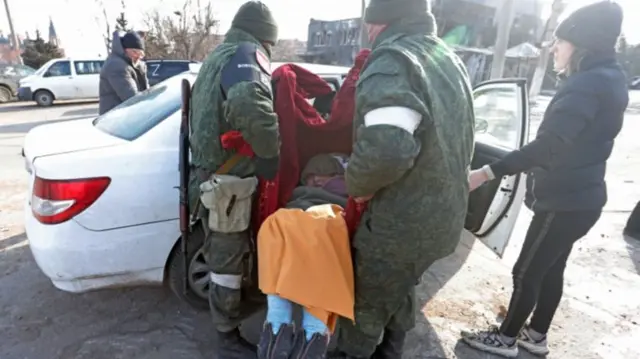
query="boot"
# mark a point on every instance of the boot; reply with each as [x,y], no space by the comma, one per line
[391,346]
[276,346]
[231,345]
[315,348]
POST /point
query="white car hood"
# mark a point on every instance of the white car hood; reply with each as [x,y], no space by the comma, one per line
[65,137]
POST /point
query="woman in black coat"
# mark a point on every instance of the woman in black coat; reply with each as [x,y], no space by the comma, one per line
[565,167]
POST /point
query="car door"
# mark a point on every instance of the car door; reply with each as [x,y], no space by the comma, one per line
[60,80]
[502,125]
[87,78]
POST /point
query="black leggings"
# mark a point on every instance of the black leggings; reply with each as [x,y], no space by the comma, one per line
[538,275]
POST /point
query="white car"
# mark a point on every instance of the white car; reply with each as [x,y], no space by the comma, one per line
[62,79]
[103,204]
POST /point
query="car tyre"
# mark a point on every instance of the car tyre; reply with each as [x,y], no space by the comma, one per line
[43,98]
[5,94]
[195,296]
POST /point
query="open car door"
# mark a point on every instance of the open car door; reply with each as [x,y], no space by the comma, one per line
[502,125]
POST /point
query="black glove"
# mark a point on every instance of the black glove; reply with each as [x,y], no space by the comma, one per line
[267,168]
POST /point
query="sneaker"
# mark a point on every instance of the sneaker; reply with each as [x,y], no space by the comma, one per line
[490,341]
[536,347]
[315,348]
[276,346]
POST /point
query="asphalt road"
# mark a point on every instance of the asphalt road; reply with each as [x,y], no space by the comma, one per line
[599,317]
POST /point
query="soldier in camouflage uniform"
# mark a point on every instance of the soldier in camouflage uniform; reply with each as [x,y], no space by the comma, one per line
[415,133]
[233,92]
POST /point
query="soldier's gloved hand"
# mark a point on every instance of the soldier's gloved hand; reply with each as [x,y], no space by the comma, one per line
[267,168]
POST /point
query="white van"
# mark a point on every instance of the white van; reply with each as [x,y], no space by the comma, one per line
[62,79]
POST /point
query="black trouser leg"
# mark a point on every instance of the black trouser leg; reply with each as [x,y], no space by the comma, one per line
[550,295]
[548,243]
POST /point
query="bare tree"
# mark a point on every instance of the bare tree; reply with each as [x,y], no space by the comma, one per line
[121,23]
[189,33]
[106,36]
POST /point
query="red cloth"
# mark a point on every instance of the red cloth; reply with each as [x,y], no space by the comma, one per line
[304,133]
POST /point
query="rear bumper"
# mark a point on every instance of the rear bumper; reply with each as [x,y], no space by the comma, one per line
[25,94]
[79,260]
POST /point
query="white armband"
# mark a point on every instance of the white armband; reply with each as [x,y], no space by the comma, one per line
[402,117]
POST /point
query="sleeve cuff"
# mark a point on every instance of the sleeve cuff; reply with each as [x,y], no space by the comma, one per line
[489,172]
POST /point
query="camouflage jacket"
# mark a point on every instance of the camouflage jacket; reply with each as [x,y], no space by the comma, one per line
[419,181]
[232,92]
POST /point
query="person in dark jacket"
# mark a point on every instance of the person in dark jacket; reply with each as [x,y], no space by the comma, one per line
[124,74]
[566,166]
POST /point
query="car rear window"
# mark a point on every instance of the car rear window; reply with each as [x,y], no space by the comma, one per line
[139,114]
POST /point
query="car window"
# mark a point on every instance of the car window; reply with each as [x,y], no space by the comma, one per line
[169,69]
[87,67]
[139,114]
[60,68]
[498,115]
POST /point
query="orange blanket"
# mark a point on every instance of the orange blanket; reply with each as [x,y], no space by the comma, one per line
[305,257]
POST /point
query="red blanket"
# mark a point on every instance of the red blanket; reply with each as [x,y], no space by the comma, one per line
[304,133]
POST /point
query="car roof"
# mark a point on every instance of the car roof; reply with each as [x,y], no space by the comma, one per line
[317,69]
[163,60]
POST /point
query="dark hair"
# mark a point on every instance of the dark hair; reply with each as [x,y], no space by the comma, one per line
[576,59]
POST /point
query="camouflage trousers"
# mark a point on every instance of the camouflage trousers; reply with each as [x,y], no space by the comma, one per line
[385,294]
[232,255]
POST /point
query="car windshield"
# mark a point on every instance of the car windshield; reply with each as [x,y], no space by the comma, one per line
[139,114]
[43,68]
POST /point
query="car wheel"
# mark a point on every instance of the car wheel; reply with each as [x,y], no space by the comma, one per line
[43,98]
[198,276]
[5,94]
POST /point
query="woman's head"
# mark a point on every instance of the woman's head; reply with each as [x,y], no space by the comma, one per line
[563,52]
[592,28]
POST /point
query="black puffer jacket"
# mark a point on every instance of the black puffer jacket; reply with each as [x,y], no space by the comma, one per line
[566,163]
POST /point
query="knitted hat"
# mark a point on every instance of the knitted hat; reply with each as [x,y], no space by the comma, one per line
[326,164]
[255,18]
[593,27]
[388,11]
[131,40]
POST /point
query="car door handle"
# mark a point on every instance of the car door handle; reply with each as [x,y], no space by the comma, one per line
[507,190]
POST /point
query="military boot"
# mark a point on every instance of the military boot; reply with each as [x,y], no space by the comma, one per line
[231,345]
[315,348]
[276,346]
[391,346]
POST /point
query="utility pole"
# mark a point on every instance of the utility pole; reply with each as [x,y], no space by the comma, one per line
[364,36]
[506,14]
[543,61]
[14,37]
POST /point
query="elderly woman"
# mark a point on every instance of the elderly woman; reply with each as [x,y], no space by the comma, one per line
[566,166]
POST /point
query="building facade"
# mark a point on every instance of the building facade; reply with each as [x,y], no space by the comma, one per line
[333,42]
[471,23]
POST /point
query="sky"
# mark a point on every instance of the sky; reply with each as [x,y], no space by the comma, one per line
[80,23]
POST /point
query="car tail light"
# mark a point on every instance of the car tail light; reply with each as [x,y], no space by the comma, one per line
[57,201]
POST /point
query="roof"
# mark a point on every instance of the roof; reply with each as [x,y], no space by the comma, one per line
[524,50]
[318,69]
[315,68]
